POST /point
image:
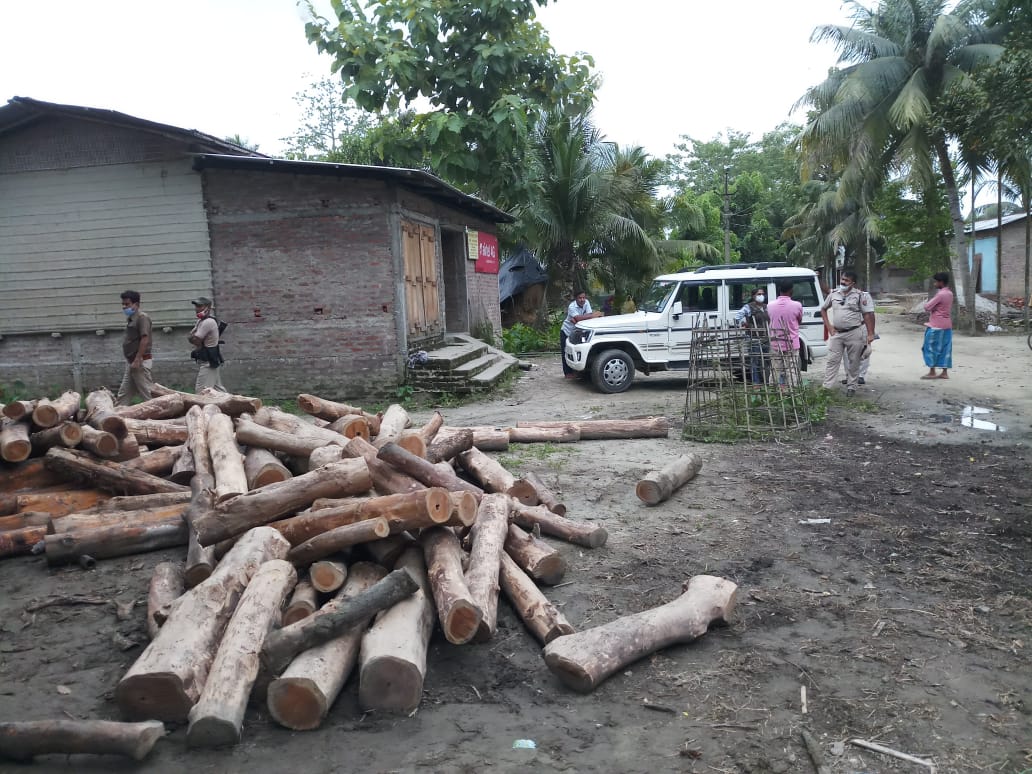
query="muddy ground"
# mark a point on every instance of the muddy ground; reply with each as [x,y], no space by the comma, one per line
[908,618]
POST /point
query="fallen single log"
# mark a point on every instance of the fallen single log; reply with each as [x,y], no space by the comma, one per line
[386,478]
[351,426]
[18,542]
[392,662]
[162,407]
[539,615]
[31,474]
[166,586]
[59,504]
[200,560]
[386,551]
[333,541]
[100,413]
[262,467]
[566,433]
[155,432]
[612,429]
[160,462]
[119,539]
[488,533]
[583,660]
[448,443]
[424,471]
[531,490]
[110,476]
[261,506]
[458,613]
[463,509]
[535,557]
[48,413]
[581,533]
[22,740]
[67,434]
[326,576]
[183,469]
[486,471]
[251,433]
[216,719]
[227,403]
[169,676]
[429,431]
[394,420]
[84,522]
[303,695]
[99,442]
[277,419]
[331,410]
[303,602]
[18,409]
[226,460]
[15,445]
[659,485]
[138,502]
[335,502]
[27,519]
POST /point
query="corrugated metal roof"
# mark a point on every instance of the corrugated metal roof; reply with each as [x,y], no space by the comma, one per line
[990,223]
[415,179]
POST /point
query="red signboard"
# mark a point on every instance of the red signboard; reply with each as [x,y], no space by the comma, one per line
[487,254]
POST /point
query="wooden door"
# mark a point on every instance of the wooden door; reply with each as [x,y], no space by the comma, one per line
[422,302]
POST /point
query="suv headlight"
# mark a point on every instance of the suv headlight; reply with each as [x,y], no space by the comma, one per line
[581,336]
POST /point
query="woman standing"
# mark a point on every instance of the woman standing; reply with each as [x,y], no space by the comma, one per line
[938,338]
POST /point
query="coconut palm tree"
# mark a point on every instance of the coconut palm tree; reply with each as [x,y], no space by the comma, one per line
[879,109]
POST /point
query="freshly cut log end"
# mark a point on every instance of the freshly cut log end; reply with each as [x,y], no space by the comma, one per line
[15,444]
[297,703]
[396,685]
[461,622]
[23,740]
[463,509]
[658,486]
[327,576]
[302,604]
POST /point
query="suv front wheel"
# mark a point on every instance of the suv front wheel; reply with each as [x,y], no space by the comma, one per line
[612,371]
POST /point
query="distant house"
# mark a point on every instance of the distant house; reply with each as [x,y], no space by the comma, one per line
[328,274]
[1007,270]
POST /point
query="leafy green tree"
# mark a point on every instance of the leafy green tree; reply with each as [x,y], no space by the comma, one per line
[331,128]
[916,228]
[475,77]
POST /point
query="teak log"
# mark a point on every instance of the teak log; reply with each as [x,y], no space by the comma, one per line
[48,413]
[458,613]
[568,433]
[155,432]
[303,602]
[448,443]
[531,490]
[8,504]
[59,504]
[20,541]
[585,659]
[27,519]
[99,442]
[166,586]
[489,533]
[31,474]
[251,433]
[83,522]
[159,462]
[23,739]
[581,533]
[100,413]
[325,576]
[659,485]
[128,449]
[351,426]
[486,438]
[386,478]
[183,469]
[15,445]
[463,509]
[324,455]
[227,403]
[226,460]
[335,502]
[429,431]
[138,502]
[487,471]
[535,557]
[276,419]
[394,420]
[163,407]
[169,676]
[217,717]
[18,409]
[106,475]
[262,467]
[200,560]
[67,434]
[119,539]
[424,471]
[612,429]
[303,695]
[335,540]
[281,646]
[331,410]
[539,615]
[263,505]
[392,663]
[387,550]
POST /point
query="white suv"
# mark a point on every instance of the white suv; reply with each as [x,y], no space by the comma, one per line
[657,337]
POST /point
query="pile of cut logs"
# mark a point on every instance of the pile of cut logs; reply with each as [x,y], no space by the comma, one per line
[394,528]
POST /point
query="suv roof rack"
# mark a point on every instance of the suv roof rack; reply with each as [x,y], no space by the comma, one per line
[723,266]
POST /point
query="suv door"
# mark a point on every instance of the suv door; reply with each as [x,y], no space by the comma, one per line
[806,292]
[703,304]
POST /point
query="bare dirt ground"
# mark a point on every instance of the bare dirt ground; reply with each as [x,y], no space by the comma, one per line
[908,618]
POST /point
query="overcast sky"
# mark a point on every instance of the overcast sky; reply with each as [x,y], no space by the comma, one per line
[225,67]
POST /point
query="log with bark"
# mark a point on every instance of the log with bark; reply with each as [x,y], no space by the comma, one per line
[89,520]
[160,462]
[162,407]
[490,438]
[138,502]
[424,471]
[429,431]
[21,740]
[659,485]
[386,478]
[252,434]
[303,602]
[18,409]
[347,477]
[128,449]
[486,471]
[350,426]
[583,660]
[535,557]
[463,509]
[281,646]
[67,434]
[564,433]
[200,560]
[326,576]
[169,676]
[335,540]
[100,413]
[131,534]
[49,413]
[26,519]
[21,540]
[448,443]
[167,584]
[331,410]
[110,476]
[531,490]
[303,695]
[392,663]
[216,718]
[98,442]
[488,534]
[277,419]
[31,474]
[394,420]
[581,533]
[234,405]
[156,432]
[183,469]
[262,468]
[539,615]
[612,429]
[456,610]
[324,455]
[15,445]
[59,504]
[226,460]
[386,551]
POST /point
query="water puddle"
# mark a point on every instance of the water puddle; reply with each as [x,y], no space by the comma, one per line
[969,417]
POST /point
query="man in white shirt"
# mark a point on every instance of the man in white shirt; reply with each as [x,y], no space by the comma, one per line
[579,309]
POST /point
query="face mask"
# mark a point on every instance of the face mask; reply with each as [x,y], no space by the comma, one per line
[200,315]
[128,311]
[760,298]
[843,288]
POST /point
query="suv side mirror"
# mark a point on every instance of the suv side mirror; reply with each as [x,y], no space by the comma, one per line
[676,309]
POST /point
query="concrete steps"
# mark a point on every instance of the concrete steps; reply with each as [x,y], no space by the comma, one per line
[462,366]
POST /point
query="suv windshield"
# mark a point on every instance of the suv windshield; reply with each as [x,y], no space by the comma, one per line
[658,295]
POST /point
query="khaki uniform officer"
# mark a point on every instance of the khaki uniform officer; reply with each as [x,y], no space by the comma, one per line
[848,315]
[205,339]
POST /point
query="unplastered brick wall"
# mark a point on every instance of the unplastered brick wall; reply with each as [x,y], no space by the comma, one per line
[483,287]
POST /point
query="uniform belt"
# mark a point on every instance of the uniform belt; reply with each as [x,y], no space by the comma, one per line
[846,330]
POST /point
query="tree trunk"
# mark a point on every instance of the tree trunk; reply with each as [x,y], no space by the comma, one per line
[67,434]
[338,539]
[424,471]
[330,410]
[429,431]
[262,467]
[166,586]
[539,615]
[98,442]
[562,433]
[324,455]
[226,460]
[531,490]
[268,503]
[612,429]
[393,656]
[281,646]
[487,471]
[581,533]
[31,474]
[19,409]
[138,502]
[169,676]
[458,613]
[59,504]
[303,695]
[128,449]
[49,413]
[386,478]
[252,434]
[200,560]
[100,413]
[84,522]
[585,659]
[394,420]
[18,542]
[958,260]
[27,519]
[535,557]
[489,533]
[233,405]
[159,462]
[276,419]
[386,552]
[21,740]
[15,445]
[216,719]
[350,426]
[183,469]
[463,509]
[658,486]
[130,534]
[155,432]
[302,603]
[326,576]
[106,475]
[164,407]
[447,445]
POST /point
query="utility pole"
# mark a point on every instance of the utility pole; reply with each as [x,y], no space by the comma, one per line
[727,218]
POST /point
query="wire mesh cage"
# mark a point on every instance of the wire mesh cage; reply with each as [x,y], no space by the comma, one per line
[744,383]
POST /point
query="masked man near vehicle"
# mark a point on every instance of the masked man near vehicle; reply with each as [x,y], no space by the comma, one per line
[848,315]
[753,316]
[205,339]
[136,347]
